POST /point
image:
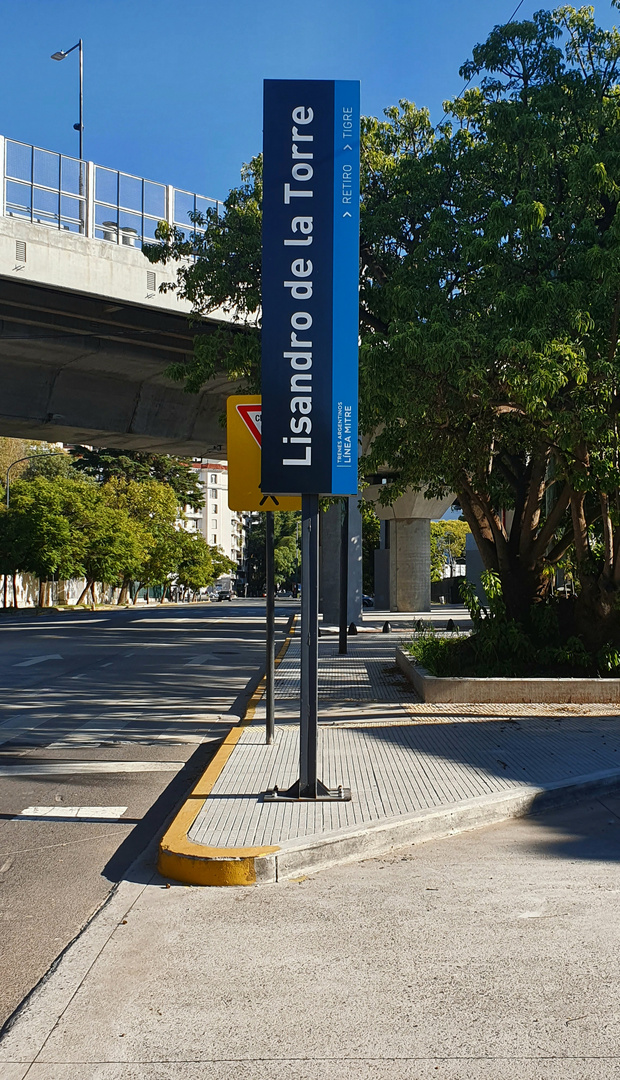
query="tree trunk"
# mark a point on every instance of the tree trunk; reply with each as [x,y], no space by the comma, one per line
[137,593]
[84,592]
[5,590]
[124,593]
[521,556]
[14,582]
[597,619]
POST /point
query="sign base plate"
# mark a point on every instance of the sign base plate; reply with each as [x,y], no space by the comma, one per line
[316,792]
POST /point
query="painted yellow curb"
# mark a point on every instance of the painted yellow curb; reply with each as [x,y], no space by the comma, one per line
[196,864]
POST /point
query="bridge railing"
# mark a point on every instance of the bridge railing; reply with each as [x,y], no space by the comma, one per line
[61,192]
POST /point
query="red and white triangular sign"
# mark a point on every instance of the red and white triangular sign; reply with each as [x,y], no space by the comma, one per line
[251,416]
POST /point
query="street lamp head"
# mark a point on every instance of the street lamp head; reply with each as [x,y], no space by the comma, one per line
[58,55]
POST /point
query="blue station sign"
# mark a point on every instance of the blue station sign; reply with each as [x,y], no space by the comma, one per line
[310,287]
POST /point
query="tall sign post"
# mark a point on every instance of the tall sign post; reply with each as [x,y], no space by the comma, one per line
[310,306]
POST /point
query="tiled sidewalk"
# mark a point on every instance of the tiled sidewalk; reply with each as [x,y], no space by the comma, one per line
[399,756]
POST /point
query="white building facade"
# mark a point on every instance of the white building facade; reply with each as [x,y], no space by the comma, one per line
[220,526]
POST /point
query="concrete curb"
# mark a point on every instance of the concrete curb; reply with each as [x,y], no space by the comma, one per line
[196,864]
[432,688]
[312,853]
[239,866]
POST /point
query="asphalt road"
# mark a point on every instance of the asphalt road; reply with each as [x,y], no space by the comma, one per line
[114,713]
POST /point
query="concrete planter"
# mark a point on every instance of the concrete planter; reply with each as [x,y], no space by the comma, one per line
[483,691]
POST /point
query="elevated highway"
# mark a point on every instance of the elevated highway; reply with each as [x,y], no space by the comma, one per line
[85,332]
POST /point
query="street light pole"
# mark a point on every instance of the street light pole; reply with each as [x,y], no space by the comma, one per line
[60,55]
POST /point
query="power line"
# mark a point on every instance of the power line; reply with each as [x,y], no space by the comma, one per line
[467,84]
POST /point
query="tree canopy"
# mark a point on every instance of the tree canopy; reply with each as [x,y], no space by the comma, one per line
[118,533]
[108,464]
[447,545]
[286,552]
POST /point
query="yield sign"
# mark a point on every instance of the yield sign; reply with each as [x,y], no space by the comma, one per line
[251,416]
[243,445]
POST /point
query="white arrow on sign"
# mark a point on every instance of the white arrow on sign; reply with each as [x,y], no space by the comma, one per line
[346,214]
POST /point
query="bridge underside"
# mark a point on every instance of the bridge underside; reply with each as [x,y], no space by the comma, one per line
[81,369]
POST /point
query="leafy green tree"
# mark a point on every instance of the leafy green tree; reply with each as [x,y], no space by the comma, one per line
[371,535]
[49,461]
[221,563]
[492,367]
[447,544]
[286,556]
[198,564]
[107,464]
[46,530]
[194,562]
[114,542]
[152,508]
[224,272]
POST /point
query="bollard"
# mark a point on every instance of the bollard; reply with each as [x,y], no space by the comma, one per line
[450,625]
[387,629]
[352,628]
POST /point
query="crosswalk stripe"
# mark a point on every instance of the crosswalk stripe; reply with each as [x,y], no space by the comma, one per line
[103,813]
[38,660]
[65,768]
[20,725]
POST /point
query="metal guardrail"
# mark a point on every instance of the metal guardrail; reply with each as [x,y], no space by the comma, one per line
[61,192]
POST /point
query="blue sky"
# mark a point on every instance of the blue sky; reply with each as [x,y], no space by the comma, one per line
[173,91]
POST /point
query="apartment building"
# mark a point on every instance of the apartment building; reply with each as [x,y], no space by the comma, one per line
[220,526]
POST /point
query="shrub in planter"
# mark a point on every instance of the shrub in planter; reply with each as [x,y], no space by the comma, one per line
[500,646]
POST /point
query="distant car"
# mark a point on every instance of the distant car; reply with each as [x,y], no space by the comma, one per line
[224,594]
[368,601]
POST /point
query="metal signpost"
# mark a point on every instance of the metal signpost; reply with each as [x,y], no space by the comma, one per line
[309,336]
[344,580]
[243,439]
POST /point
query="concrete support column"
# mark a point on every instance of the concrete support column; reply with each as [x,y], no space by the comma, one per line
[410,564]
[329,566]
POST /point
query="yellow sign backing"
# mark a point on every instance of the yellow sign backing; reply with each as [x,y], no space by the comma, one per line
[243,439]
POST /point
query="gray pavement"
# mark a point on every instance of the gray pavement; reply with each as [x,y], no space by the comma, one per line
[491,955]
[396,757]
[115,713]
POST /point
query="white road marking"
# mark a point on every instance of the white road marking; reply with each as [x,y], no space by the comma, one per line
[20,725]
[100,729]
[105,813]
[38,660]
[167,737]
[66,768]
[197,660]
[109,664]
